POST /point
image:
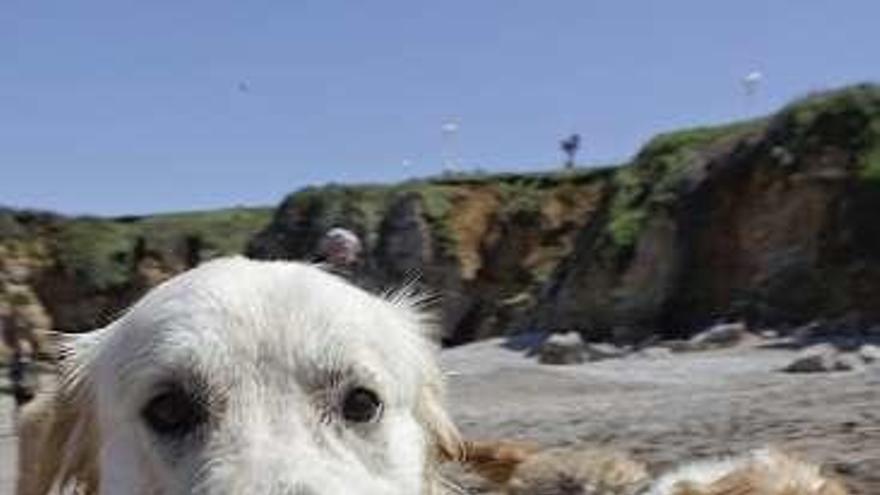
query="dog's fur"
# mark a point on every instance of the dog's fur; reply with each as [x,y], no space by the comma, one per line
[520,468]
[269,349]
[497,460]
[524,468]
[45,431]
[767,471]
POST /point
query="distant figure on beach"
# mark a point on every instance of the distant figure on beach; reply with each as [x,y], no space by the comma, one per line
[21,327]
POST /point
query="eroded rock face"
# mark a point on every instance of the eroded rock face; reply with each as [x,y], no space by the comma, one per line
[713,223]
[407,254]
[770,222]
[405,245]
[82,272]
[483,247]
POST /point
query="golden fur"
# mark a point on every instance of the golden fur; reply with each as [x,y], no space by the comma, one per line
[763,472]
[57,446]
[524,468]
[496,461]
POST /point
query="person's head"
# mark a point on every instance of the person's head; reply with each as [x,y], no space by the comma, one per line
[340,247]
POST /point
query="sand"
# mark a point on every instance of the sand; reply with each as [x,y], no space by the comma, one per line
[664,410]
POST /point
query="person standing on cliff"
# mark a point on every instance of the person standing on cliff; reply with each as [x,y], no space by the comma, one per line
[570,147]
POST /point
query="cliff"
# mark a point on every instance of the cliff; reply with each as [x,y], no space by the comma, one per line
[482,244]
[773,221]
[85,270]
[770,220]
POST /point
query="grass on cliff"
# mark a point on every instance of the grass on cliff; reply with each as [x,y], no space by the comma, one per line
[871,169]
[95,251]
[848,119]
[363,206]
[222,231]
[99,251]
[656,174]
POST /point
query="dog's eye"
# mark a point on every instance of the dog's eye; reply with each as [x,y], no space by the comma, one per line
[361,405]
[173,412]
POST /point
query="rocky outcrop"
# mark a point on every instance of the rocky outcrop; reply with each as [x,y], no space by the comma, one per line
[79,273]
[483,245]
[562,348]
[823,358]
[769,222]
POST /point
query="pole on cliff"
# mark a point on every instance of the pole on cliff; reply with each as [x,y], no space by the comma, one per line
[750,84]
[449,131]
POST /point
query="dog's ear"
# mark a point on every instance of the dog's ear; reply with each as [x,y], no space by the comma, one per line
[497,460]
[431,407]
[445,440]
[58,431]
[38,463]
[57,447]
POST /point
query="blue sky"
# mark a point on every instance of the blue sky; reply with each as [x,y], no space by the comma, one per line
[120,106]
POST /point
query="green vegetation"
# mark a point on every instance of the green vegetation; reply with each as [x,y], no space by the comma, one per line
[526,193]
[98,252]
[362,206]
[356,207]
[437,201]
[871,167]
[508,181]
[625,226]
[521,197]
[669,153]
[848,119]
[657,174]
[851,108]
[9,226]
[222,232]
[95,251]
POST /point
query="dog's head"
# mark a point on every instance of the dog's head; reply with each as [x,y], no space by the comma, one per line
[257,377]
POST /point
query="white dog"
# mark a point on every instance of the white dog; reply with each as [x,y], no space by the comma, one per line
[247,377]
